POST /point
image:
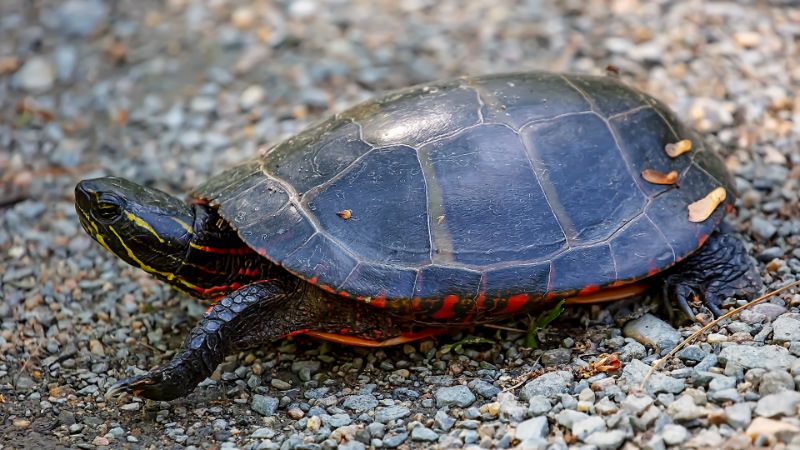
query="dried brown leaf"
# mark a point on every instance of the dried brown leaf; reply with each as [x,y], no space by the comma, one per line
[345,214]
[656,177]
[703,208]
[678,148]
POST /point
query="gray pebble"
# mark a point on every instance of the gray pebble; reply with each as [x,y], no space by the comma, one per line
[81,18]
[691,353]
[443,421]
[786,328]
[390,413]
[536,427]
[454,396]
[765,357]
[738,415]
[650,330]
[395,440]
[762,228]
[263,433]
[266,406]
[423,434]
[606,440]
[775,381]
[484,388]
[780,404]
[360,402]
[636,404]
[556,357]
[674,434]
[547,385]
[585,427]
[36,75]
[568,417]
[539,405]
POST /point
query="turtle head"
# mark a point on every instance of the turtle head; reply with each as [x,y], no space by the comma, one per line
[145,227]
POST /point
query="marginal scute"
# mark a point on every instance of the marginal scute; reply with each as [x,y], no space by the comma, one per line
[322,260]
[643,148]
[640,245]
[581,267]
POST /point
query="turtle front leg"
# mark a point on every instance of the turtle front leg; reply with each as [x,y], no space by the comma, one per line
[719,269]
[252,316]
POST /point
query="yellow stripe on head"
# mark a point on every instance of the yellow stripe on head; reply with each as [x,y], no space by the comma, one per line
[142,223]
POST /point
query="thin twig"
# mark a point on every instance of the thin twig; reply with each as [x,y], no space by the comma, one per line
[711,324]
[527,376]
[500,327]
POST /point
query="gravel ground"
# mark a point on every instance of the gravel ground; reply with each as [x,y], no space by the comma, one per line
[167,93]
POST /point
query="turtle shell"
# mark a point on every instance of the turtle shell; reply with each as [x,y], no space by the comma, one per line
[477,194]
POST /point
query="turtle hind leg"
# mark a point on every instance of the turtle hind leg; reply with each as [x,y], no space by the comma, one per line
[252,316]
[719,269]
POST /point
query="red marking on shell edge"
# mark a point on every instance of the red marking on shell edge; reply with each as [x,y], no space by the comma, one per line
[295,333]
[551,296]
[702,239]
[446,311]
[312,280]
[378,302]
[415,303]
[590,289]
[327,288]
[344,294]
[515,302]
[652,271]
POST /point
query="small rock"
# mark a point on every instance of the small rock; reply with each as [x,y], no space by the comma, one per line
[81,18]
[133,406]
[568,418]
[765,357]
[775,381]
[263,433]
[705,439]
[484,388]
[770,310]
[96,348]
[588,426]
[539,405]
[685,409]
[780,404]
[606,440]
[556,357]
[360,402]
[36,75]
[674,434]
[636,404]
[635,371]
[763,229]
[738,415]
[774,430]
[691,353]
[100,441]
[443,421]
[295,413]
[532,428]
[395,440]
[454,396]
[266,406]
[390,413]
[251,97]
[650,330]
[279,384]
[547,385]
[786,328]
[423,434]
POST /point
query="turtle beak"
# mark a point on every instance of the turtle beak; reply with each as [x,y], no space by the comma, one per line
[84,192]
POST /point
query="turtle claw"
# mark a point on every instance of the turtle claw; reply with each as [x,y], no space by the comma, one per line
[154,386]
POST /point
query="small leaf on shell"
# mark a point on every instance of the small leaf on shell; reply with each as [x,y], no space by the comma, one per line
[656,177]
[345,214]
[703,208]
[678,148]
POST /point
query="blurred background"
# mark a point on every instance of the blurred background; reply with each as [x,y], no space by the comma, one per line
[167,93]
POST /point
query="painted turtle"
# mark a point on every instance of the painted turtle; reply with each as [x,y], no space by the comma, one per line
[446,204]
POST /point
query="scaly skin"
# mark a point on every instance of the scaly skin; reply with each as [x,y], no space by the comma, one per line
[259,313]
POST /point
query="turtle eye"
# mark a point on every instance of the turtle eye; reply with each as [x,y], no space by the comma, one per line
[108,208]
